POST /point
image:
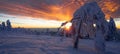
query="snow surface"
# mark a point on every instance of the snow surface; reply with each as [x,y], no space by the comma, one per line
[17,43]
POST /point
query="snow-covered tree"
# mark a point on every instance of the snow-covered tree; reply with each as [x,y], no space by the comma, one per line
[83,20]
[8,25]
[3,26]
[112,29]
[100,37]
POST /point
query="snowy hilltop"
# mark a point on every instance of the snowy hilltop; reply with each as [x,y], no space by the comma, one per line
[44,44]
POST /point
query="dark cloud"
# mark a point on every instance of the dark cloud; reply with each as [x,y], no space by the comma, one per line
[54,9]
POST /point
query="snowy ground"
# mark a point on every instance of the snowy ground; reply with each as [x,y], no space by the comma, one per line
[45,44]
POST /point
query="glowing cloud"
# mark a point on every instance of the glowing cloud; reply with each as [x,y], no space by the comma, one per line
[61,10]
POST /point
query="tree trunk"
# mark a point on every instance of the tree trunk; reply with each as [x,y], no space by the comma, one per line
[76,42]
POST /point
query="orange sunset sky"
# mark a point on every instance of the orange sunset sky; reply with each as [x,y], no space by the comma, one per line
[50,13]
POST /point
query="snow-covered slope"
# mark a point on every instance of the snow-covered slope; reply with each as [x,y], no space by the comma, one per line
[42,44]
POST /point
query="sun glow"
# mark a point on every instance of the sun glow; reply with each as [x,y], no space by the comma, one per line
[68,26]
[94,25]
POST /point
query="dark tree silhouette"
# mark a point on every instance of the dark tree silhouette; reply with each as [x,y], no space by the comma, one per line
[8,25]
[3,26]
[112,29]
